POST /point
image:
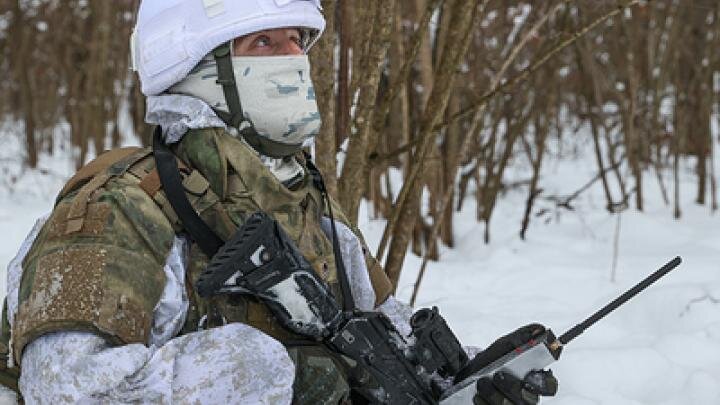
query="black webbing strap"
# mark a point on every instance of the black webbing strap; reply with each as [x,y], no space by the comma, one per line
[226,79]
[171,181]
[348,301]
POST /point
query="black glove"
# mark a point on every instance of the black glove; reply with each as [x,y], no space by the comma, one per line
[504,388]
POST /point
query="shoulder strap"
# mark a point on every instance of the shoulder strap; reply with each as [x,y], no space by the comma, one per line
[171,182]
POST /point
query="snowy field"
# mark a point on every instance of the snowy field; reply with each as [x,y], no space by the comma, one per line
[661,348]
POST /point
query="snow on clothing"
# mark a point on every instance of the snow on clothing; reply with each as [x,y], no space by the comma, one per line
[202,364]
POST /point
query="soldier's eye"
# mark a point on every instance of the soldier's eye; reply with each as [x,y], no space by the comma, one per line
[262,41]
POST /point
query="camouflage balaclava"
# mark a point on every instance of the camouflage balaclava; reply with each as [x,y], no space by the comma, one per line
[277,98]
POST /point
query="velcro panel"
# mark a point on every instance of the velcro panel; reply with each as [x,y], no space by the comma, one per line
[214,8]
[79,288]
[94,222]
[150,183]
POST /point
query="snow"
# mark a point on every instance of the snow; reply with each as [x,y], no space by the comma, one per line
[661,348]
[26,195]
[288,295]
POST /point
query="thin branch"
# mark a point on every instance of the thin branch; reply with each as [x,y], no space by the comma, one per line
[439,98]
[537,65]
[565,202]
[482,101]
[447,196]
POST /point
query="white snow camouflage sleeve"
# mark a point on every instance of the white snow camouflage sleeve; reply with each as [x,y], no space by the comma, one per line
[232,364]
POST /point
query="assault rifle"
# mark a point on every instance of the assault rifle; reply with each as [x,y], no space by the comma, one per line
[262,261]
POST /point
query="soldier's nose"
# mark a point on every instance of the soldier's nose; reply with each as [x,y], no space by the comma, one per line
[290,47]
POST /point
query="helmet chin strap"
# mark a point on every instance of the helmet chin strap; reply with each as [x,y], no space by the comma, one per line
[226,79]
[235,117]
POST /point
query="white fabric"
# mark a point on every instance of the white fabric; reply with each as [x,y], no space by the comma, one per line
[7,396]
[14,271]
[170,312]
[233,364]
[176,114]
[172,36]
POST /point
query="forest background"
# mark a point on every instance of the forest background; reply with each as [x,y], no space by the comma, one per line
[443,94]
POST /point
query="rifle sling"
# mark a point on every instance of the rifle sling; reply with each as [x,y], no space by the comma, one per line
[348,300]
[169,173]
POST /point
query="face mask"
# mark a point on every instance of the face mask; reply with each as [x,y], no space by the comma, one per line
[276,95]
[278,98]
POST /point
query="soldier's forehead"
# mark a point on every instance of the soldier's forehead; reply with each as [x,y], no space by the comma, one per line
[298,29]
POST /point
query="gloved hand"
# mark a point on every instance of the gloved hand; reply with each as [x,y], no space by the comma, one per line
[504,388]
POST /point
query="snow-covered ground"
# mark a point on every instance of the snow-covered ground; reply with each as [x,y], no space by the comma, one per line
[663,347]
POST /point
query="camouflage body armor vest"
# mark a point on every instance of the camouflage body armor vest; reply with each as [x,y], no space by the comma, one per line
[97,264]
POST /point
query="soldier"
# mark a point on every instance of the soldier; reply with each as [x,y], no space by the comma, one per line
[101,298]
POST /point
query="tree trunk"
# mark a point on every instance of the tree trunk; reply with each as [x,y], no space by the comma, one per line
[23,64]
[322,58]
[355,169]
[407,206]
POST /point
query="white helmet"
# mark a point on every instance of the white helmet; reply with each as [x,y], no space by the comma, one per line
[172,36]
